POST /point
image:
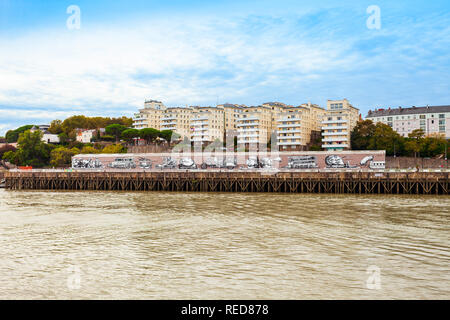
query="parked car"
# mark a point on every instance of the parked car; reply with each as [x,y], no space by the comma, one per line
[168,163]
[255,162]
[219,163]
[187,163]
[302,162]
[145,163]
[123,163]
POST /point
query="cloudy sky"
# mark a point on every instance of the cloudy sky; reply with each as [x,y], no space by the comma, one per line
[208,52]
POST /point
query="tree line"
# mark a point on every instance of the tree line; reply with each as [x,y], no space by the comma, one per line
[369,136]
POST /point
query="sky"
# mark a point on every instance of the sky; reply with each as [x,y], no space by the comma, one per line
[213,52]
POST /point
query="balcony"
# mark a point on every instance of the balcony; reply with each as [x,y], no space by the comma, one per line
[168,128]
[196,124]
[335,140]
[200,118]
[200,129]
[200,139]
[248,135]
[334,146]
[334,133]
[169,118]
[248,118]
[251,124]
[199,134]
[248,130]
[288,131]
[168,123]
[335,128]
[289,125]
[290,143]
[248,141]
[334,121]
[287,119]
[288,137]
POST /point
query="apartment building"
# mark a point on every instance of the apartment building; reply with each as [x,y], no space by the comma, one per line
[254,125]
[291,126]
[338,122]
[150,116]
[433,120]
[207,124]
[177,119]
[294,126]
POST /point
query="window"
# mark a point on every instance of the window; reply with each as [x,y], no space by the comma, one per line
[442,128]
[422,116]
[441,122]
[442,116]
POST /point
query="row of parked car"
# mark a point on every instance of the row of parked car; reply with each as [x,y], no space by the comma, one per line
[188,163]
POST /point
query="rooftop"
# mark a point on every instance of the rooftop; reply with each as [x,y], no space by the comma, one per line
[405,111]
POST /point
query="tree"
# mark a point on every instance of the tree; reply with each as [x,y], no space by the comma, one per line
[13,135]
[55,127]
[385,138]
[5,149]
[414,144]
[149,134]
[32,151]
[61,156]
[169,136]
[89,150]
[362,134]
[63,138]
[115,130]
[114,148]
[129,135]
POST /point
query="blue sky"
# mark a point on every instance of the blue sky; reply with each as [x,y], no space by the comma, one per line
[204,52]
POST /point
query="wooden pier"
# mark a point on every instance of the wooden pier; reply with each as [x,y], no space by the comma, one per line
[431,183]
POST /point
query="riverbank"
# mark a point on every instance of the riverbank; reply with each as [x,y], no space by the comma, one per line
[338,182]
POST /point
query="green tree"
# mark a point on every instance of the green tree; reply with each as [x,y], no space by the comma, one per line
[56,127]
[89,150]
[385,138]
[5,149]
[62,157]
[12,136]
[129,135]
[32,151]
[114,148]
[149,134]
[169,136]
[115,130]
[362,134]
[414,143]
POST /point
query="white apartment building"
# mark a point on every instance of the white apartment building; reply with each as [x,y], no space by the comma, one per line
[177,119]
[338,122]
[432,120]
[295,124]
[254,125]
[150,116]
[85,136]
[207,124]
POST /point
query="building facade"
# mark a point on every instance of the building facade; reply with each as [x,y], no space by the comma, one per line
[292,127]
[337,124]
[432,120]
[207,124]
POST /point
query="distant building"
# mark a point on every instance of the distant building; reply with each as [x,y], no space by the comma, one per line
[47,137]
[432,120]
[338,122]
[85,136]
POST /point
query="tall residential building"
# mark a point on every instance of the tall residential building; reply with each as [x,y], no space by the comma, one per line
[295,125]
[432,120]
[254,125]
[338,122]
[292,126]
[150,116]
[207,124]
[177,119]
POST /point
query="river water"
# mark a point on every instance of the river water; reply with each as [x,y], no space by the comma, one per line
[111,245]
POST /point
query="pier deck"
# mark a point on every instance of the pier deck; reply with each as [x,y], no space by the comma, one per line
[436,183]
